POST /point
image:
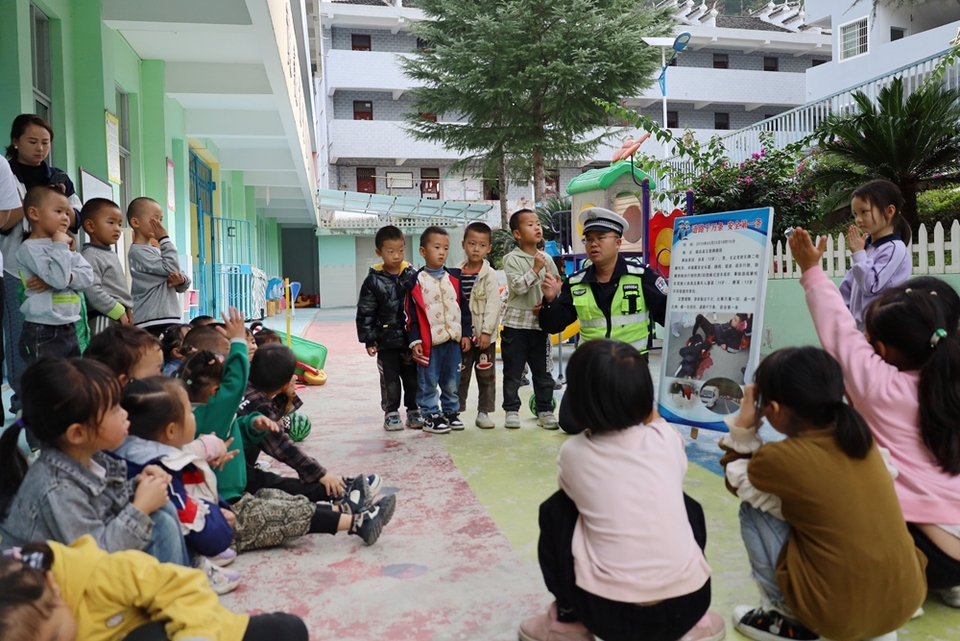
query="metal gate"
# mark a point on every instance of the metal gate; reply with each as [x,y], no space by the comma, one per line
[232,268]
[201,195]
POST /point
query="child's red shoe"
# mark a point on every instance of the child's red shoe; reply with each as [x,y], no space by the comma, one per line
[545,627]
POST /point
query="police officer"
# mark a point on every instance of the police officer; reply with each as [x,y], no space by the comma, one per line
[614,297]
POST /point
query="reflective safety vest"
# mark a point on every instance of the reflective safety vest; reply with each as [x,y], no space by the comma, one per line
[629,320]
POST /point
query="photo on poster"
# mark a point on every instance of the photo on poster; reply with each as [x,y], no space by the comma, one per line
[714,315]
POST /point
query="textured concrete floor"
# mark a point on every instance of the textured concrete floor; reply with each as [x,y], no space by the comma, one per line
[459,559]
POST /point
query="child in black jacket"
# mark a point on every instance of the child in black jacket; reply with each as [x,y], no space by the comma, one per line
[381,326]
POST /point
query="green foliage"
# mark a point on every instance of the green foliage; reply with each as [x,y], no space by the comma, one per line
[771,178]
[939,205]
[503,244]
[520,76]
[912,140]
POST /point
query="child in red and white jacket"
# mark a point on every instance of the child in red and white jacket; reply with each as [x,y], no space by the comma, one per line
[439,322]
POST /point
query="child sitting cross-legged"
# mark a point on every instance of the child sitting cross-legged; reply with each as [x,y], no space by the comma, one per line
[75,488]
[216,386]
[162,431]
[272,392]
[131,352]
[54,591]
[824,532]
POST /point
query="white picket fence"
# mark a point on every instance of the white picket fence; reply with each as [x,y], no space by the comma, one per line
[836,260]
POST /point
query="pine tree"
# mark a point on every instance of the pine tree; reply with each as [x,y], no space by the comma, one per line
[522,77]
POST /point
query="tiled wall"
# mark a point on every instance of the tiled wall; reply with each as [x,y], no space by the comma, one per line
[747,61]
[380,40]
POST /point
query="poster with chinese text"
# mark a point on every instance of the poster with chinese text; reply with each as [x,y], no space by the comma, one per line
[718,279]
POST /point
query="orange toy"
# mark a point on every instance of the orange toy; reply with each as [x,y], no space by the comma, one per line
[630,147]
[661,231]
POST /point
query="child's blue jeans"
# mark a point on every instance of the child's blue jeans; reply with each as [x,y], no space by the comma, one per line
[764,535]
[166,541]
[443,370]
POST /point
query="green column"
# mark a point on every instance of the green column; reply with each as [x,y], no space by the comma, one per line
[90,80]
[154,131]
[16,69]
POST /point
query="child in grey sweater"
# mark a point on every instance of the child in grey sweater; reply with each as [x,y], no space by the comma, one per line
[155,271]
[50,310]
[108,299]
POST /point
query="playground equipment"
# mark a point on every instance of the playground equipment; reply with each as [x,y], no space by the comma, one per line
[311,357]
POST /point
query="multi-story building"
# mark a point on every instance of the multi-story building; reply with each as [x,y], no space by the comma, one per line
[735,72]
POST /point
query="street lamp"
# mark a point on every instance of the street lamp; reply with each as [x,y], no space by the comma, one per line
[676,44]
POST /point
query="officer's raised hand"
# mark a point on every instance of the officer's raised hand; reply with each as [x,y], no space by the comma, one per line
[551,286]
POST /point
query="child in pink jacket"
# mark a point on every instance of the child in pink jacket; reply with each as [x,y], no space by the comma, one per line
[901,375]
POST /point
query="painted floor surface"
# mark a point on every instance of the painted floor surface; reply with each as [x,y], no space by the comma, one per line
[458,561]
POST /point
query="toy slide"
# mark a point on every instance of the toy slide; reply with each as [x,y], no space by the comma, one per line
[311,358]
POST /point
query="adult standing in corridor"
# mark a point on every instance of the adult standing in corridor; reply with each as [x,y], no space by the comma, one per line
[614,297]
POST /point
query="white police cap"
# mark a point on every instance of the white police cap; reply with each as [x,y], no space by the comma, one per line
[596,218]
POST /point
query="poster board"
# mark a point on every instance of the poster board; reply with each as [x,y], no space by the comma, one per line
[93,187]
[718,283]
[113,148]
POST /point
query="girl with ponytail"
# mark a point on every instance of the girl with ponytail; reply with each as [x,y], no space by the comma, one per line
[826,540]
[903,376]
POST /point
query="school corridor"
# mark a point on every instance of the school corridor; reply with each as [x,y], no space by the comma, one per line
[459,559]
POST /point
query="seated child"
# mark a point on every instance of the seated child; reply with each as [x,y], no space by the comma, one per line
[624,560]
[251,344]
[272,392]
[75,487]
[265,335]
[201,320]
[826,539]
[131,352]
[108,299]
[171,343]
[208,337]
[55,591]
[162,430]
[216,386]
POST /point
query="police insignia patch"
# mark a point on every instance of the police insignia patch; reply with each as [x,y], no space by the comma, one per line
[662,285]
[578,292]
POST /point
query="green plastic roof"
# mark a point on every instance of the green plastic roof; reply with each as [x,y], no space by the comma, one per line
[400,206]
[603,178]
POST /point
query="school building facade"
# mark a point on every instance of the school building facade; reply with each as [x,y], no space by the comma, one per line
[206,107]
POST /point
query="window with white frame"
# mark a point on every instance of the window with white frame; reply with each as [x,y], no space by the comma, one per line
[40,53]
[123,115]
[854,39]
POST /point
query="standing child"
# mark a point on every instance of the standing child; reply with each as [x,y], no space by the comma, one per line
[478,283]
[54,591]
[154,271]
[75,487]
[813,506]
[108,299]
[49,314]
[902,377]
[381,327]
[523,342]
[624,560]
[439,322]
[879,244]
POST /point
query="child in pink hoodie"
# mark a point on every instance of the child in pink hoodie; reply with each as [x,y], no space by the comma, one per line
[902,377]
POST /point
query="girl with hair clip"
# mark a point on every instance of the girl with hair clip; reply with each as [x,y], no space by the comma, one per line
[624,560]
[902,377]
[51,591]
[171,343]
[75,487]
[827,543]
[879,243]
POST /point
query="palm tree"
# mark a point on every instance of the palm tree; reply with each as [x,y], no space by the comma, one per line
[911,140]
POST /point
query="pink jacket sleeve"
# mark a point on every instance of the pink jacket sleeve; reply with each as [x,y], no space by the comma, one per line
[863,369]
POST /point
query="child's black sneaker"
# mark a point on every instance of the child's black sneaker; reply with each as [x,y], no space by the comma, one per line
[387,505]
[357,495]
[374,483]
[453,420]
[769,625]
[435,424]
[368,524]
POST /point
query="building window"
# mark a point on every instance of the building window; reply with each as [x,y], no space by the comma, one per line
[430,117]
[771,63]
[551,181]
[367,180]
[123,115]
[853,39]
[423,45]
[42,73]
[672,62]
[430,183]
[673,120]
[721,120]
[362,110]
[819,61]
[360,42]
[721,61]
[897,33]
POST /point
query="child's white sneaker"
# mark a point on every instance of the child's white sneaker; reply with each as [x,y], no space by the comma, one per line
[392,422]
[221,581]
[547,421]
[484,421]
[225,558]
[513,421]
[889,636]
[951,597]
